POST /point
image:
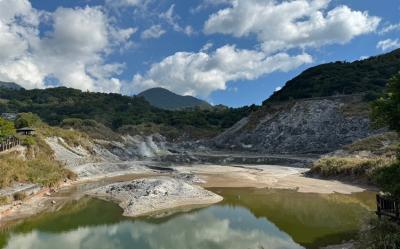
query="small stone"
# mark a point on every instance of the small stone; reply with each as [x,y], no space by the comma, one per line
[53,202]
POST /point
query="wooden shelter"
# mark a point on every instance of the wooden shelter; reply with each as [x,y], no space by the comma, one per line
[28,131]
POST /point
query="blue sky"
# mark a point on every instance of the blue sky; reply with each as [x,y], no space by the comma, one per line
[231,52]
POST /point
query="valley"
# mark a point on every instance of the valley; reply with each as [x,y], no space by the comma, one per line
[161,166]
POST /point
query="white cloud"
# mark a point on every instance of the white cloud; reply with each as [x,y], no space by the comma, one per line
[172,19]
[283,25]
[207,3]
[201,73]
[73,51]
[390,28]
[278,88]
[126,3]
[154,31]
[193,230]
[206,47]
[23,71]
[388,44]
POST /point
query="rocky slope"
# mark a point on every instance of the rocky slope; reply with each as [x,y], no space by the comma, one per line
[317,125]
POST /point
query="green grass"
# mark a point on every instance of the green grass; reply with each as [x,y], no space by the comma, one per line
[92,128]
[38,165]
[349,166]
[4,200]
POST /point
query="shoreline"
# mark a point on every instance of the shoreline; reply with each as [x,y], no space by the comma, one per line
[208,176]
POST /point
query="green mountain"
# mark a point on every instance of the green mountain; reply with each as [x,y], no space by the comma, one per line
[165,99]
[342,78]
[10,85]
[57,106]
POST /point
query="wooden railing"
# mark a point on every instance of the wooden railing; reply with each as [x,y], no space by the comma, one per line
[387,207]
[9,143]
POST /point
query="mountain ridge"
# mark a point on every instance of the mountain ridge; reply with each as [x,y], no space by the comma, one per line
[166,99]
[368,76]
[10,85]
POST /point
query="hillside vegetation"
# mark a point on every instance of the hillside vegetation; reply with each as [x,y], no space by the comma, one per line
[374,158]
[115,111]
[35,161]
[337,78]
[359,160]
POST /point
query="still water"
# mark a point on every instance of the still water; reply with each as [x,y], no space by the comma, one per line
[246,219]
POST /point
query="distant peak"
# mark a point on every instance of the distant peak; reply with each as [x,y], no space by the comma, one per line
[10,85]
[166,99]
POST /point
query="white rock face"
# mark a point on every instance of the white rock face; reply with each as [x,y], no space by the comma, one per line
[144,196]
[317,126]
[71,156]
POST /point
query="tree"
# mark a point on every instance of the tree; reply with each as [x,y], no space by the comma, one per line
[27,120]
[386,112]
[6,128]
[388,179]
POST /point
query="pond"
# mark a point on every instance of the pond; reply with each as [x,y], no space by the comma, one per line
[246,219]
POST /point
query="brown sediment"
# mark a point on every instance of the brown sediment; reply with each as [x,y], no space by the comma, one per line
[262,176]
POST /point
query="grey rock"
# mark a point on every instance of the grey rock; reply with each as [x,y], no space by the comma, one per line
[315,126]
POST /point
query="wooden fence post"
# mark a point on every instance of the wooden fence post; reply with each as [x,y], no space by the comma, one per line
[378,206]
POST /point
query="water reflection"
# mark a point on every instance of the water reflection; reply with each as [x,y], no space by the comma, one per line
[246,219]
[312,220]
[213,227]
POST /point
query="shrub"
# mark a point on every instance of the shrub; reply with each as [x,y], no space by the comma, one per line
[12,170]
[28,141]
[6,128]
[382,234]
[19,196]
[349,166]
[388,179]
[39,166]
[27,119]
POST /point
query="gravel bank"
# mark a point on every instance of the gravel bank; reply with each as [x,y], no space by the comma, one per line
[150,195]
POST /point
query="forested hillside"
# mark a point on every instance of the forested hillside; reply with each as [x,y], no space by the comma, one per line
[54,105]
[341,78]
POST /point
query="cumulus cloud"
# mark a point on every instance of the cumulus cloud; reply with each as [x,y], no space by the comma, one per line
[154,31]
[388,44]
[277,25]
[201,73]
[73,51]
[287,24]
